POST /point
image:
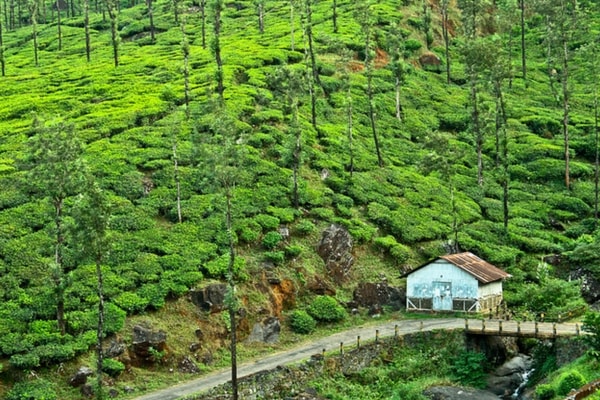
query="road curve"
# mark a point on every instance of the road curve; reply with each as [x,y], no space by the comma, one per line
[366,333]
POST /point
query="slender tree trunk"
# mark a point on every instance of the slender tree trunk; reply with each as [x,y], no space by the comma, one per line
[510,58]
[399,110]
[176,11]
[297,155]
[151,20]
[72,3]
[368,66]
[203,22]
[5,13]
[59,269]
[565,103]
[334,17]
[112,13]
[349,112]
[2,59]
[523,56]
[446,37]
[185,48]
[59,25]
[100,331]
[34,33]
[11,25]
[261,16]
[217,48]
[292,24]
[453,206]
[231,305]
[309,36]
[86,23]
[597,160]
[177,180]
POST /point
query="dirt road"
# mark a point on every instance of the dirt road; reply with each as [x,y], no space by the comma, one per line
[304,352]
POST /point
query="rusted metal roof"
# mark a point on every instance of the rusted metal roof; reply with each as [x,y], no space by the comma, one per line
[482,270]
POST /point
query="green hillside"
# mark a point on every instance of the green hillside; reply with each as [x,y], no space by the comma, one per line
[135,161]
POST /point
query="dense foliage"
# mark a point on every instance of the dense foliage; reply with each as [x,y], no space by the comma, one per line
[295,124]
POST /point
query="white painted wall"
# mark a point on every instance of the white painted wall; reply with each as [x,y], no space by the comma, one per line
[420,283]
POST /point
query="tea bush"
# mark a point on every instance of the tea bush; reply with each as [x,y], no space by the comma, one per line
[326,309]
[568,381]
[301,322]
[36,389]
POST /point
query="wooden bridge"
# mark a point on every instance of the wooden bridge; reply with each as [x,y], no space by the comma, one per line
[532,329]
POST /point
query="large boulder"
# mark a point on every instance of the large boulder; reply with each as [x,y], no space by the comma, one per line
[335,248]
[369,294]
[430,62]
[509,376]
[147,343]
[80,377]
[266,331]
[210,298]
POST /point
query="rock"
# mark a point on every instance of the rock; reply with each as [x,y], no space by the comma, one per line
[188,366]
[128,389]
[590,286]
[266,331]
[283,295]
[87,390]
[430,62]
[321,287]
[113,393]
[370,294]
[194,347]
[284,231]
[144,339]
[509,376]
[457,393]
[114,349]
[80,377]
[210,298]
[335,248]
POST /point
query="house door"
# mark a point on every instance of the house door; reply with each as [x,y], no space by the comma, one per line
[442,296]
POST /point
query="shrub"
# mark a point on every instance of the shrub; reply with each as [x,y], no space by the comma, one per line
[468,369]
[326,309]
[271,240]
[293,251]
[305,227]
[131,302]
[276,257]
[38,389]
[570,380]
[112,367]
[545,392]
[302,322]
[25,361]
[267,221]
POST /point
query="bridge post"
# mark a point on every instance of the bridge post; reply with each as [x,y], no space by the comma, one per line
[358,342]
[519,327]
[554,329]
[483,325]
[421,327]
[536,328]
[500,326]
[466,324]
[341,348]
[577,329]
[376,336]
[396,331]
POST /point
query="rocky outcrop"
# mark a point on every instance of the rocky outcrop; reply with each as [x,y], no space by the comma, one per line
[509,376]
[147,343]
[430,62]
[188,366]
[266,331]
[80,377]
[210,298]
[457,393]
[369,295]
[335,248]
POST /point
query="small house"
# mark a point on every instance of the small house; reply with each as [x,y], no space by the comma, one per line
[455,282]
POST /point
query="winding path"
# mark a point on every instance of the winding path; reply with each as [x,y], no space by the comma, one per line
[366,333]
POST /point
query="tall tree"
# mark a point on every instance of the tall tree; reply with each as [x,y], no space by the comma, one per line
[217,9]
[33,10]
[260,10]
[309,55]
[59,5]
[334,16]
[92,216]
[57,173]
[113,13]
[444,4]
[151,20]
[203,22]
[562,19]
[86,28]
[398,66]
[523,50]
[2,59]
[471,10]
[366,22]
[426,23]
